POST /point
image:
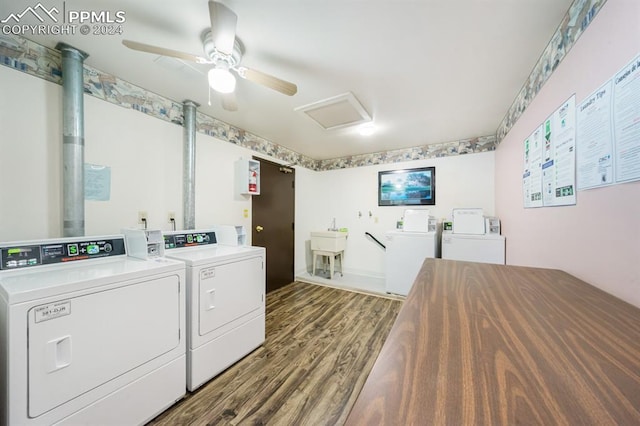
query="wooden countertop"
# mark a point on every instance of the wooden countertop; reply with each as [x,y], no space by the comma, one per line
[492,344]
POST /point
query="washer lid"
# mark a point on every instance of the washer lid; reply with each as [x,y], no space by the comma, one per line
[452,236]
[195,256]
[30,284]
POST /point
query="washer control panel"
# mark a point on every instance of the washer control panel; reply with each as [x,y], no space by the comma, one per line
[188,239]
[14,256]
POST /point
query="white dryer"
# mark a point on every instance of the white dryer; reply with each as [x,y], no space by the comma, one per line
[88,335]
[225,301]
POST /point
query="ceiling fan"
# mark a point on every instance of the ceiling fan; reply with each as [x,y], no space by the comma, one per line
[224,52]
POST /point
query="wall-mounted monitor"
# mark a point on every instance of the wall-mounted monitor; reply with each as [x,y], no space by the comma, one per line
[408,187]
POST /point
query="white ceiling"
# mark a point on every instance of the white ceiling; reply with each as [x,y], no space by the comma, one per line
[427,71]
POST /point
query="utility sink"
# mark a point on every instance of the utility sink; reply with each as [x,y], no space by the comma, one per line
[329,240]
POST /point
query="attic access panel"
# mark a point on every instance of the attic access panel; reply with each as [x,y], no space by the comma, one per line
[336,112]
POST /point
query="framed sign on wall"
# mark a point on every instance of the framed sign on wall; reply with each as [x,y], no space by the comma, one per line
[407,187]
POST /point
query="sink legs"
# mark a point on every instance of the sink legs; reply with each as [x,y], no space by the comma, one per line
[332,255]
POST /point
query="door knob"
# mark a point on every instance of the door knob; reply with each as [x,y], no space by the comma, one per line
[259,228]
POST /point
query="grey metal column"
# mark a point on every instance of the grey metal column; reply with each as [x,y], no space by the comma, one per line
[72,140]
[189,161]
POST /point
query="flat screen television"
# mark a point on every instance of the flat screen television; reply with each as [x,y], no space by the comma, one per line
[409,187]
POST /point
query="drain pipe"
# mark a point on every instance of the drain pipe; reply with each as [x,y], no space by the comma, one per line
[189,167]
[72,140]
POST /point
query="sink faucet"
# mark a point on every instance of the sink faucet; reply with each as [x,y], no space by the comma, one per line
[333,225]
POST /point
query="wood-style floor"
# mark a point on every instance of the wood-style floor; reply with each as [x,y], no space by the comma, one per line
[321,344]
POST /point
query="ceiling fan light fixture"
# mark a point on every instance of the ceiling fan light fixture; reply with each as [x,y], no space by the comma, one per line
[367,129]
[223,50]
[221,80]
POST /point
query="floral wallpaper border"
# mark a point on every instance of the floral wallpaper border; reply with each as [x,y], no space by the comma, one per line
[446,149]
[576,20]
[29,57]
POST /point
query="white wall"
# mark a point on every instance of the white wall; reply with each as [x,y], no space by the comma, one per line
[598,239]
[461,181]
[217,201]
[30,157]
[144,153]
[145,156]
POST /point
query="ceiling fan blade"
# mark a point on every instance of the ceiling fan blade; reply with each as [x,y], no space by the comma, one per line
[223,27]
[269,81]
[165,52]
[229,102]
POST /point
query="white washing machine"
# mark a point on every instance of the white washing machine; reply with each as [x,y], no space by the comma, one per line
[225,301]
[89,335]
[485,248]
[405,253]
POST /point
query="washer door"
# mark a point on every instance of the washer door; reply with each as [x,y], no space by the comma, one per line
[77,344]
[230,291]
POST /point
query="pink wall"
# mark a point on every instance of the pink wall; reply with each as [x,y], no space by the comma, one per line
[598,239]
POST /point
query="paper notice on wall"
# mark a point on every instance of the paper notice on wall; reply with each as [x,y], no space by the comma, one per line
[559,156]
[526,194]
[548,183]
[526,176]
[626,122]
[594,136]
[532,177]
[97,182]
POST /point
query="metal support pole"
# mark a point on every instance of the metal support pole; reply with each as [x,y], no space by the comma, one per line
[189,160]
[72,140]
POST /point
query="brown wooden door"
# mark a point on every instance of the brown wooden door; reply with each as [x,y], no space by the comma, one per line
[273,221]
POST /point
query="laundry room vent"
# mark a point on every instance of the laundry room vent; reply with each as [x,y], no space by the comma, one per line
[336,112]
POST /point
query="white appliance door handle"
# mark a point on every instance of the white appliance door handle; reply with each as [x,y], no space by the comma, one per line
[58,353]
[211,299]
